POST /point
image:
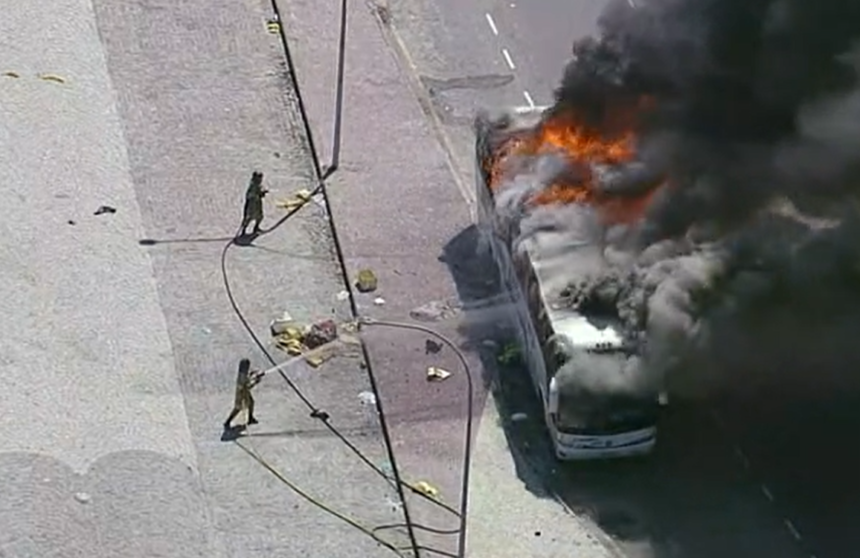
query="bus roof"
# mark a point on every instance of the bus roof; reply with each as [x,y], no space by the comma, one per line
[548,252]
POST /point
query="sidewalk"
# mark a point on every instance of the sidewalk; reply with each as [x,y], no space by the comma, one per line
[397,208]
[119,360]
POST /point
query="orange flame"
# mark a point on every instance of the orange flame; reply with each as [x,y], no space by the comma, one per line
[582,147]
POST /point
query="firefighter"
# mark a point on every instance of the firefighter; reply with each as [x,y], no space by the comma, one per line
[246,379]
[254,204]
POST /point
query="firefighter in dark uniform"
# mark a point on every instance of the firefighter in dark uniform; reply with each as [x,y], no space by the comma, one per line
[254,204]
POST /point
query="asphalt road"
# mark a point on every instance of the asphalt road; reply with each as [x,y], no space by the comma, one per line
[769,474]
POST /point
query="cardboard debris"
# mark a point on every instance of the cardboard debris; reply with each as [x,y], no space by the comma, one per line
[317,360]
[295,201]
[426,488]
[366,281]
[436,374]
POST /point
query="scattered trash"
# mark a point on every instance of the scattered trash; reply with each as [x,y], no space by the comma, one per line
[290,338]
[273,26]
[11,74]
[206,330]
[83,497]
[433,311]
[71,222]
[432,347]
[295,201]
[342,295]
[320,333]
[317,360]
[52,77]
[489,343]
[426,489]
[436,374]
[519,417]
[379,301]
[367,398]
[280,325]
[366,281]
[105,209]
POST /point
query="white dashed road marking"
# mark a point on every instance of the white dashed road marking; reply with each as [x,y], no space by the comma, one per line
[792,529]
[529,99]
[508,59]
[492,24]
[767,493]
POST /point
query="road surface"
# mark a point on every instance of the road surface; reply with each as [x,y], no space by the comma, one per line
[744,477]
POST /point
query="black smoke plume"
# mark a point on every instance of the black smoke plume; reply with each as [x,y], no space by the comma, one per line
[746,269]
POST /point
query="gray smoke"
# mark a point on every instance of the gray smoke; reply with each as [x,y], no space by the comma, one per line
[746,271]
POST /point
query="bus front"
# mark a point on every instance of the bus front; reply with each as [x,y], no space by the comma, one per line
[597,422]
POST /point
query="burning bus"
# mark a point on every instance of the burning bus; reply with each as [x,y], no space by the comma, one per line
[573,356]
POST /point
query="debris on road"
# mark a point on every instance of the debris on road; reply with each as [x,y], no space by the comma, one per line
[436,374]
[289,338]
[295,201]
[379,301]
[432,347]
[367,398]
[433,311]
[426,489]
[83,497]
[52,77]
[317,360]
[366,281]
[342,295]
[11,74]
[105,209]
[273,26]
[320,333]
[279,326]
[519,417]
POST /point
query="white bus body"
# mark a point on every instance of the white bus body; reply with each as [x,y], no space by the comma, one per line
[547,332]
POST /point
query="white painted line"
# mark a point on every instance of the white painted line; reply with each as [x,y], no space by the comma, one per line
[767,493]
[792,529]
[492,25]
[632,4]
[508,59]
[529,99]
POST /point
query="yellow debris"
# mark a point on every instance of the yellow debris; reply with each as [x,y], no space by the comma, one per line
[366,281]
[316,361]
[273,27]
[426,488]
